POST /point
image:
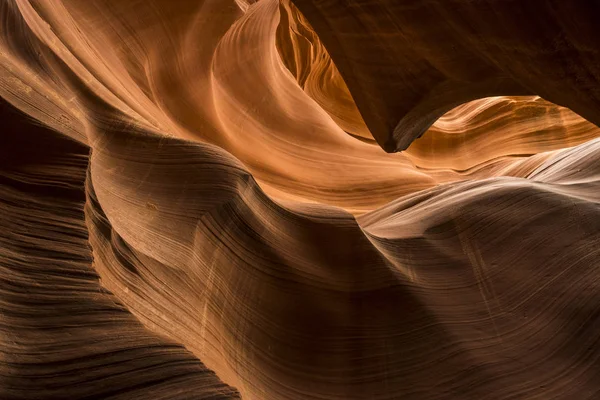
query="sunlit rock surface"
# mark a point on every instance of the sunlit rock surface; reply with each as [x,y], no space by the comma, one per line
[197,204]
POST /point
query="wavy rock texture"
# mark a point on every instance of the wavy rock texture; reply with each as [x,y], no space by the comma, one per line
[195,205]
[63,335]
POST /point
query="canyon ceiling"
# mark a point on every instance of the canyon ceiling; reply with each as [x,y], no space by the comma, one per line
[299,199]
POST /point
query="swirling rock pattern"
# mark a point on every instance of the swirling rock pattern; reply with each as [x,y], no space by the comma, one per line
[63,335]
[195,204]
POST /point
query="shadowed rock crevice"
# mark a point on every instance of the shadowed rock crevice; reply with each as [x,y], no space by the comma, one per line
[406,63]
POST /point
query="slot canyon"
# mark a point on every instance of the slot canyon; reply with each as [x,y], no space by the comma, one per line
[299,199]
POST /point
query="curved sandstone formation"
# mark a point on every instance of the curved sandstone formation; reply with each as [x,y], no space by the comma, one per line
[407,63]
[194,208]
